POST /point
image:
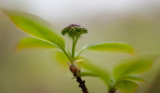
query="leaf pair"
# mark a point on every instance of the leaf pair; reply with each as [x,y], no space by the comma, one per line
[125,76]
[129,83]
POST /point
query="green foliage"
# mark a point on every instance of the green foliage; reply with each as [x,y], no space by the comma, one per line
[124,76]
[33,42]
[61,57]
[126,86]
[36,28]
[100,72]
[132,77]
[128,83]
[134,66]
[113,47]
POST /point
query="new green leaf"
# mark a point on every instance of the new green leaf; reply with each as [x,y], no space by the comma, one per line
[127,86]
[35,28]
[132,78]
[114,47]
[134,66]
[33,42]
[61,57]
[96,70]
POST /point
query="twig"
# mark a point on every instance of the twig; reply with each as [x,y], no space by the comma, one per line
[112,91]
[82,84]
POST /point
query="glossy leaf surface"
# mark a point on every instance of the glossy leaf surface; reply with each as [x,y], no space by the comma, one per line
[35,27]
[127,86]
[134,66]
[113,47]
[33,42]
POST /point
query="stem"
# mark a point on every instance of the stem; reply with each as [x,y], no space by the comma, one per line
[79,79]
[75,39]
[67,55]
[112,91]
[82,84]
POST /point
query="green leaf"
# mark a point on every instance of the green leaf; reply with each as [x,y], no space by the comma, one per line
[33,42]
[114,47]
[96,70]
[134,66]
[82,74]
[61,57]
[133,77]
[35,27]
[126,86]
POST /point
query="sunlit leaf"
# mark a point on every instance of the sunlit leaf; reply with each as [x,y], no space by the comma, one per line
[32,43]
[82,74]
[96,70]
[134,66]
[35,27]
[114,47]
[133,77]
[61,57]
[126,86]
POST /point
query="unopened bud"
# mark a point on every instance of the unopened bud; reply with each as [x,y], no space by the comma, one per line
[74,30]
[73,69]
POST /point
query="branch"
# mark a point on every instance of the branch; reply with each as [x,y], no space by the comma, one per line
[112,91]
[82,84]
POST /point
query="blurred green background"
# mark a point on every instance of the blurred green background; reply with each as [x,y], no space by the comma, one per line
[37,71]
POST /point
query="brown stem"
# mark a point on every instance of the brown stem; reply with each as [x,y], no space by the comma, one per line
[112,91]
[82,85]
[81,82]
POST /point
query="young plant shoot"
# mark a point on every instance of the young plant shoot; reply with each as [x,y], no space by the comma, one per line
[42,35]
[125,76]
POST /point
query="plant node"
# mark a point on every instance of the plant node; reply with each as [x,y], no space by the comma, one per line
[73,69]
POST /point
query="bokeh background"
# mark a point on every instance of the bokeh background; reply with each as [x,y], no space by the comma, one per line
[136,22]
